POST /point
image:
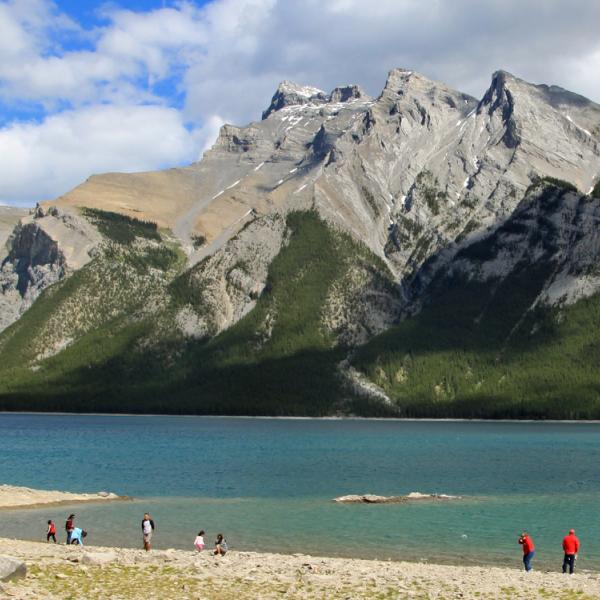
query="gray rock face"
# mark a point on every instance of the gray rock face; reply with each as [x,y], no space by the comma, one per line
[12,569]
[42,249]
[554,230]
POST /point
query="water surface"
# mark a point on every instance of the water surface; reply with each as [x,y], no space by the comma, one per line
[268,483]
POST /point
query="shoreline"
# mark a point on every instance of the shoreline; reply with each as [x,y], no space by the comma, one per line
[14,497]
[58,571]
[305,418]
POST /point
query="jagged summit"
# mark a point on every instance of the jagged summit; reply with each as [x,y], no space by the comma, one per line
[289,93]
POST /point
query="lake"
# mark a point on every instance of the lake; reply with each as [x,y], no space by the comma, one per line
[267,484]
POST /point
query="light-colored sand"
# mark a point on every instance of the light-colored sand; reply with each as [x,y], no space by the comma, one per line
[21,497]
[58,572]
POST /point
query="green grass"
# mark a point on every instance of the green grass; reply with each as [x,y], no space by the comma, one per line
[596,190]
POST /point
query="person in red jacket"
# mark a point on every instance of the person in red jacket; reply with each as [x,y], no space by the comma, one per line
[571,547]
[528,550]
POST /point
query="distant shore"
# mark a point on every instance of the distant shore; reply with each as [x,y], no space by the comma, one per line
[306,418]
[15,497]
[61,572]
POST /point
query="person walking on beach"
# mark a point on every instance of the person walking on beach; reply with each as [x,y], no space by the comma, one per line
[571,547]
[147,529]
[528,550]
[69,528]
[199,541]
[220,546]
[51,531]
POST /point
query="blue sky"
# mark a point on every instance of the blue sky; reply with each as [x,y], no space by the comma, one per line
[88,87]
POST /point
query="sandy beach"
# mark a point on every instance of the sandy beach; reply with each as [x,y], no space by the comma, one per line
[22,497]
[60,572]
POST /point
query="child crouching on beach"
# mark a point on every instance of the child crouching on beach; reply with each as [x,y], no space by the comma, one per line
[220,546]
[199,541]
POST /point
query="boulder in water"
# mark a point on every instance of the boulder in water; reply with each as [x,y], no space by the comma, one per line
[374,499]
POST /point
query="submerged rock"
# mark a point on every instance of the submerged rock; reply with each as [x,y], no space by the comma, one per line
[374,499]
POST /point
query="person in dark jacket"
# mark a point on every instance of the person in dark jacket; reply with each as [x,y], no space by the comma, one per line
[69,526]
[571,548]
[528,550]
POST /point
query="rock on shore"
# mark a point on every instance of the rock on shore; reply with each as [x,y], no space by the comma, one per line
[11,569]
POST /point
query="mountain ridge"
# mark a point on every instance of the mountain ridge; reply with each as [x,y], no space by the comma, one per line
[384,207]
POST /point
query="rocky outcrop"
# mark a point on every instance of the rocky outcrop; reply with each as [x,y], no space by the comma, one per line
[12,569]
[227,284]
[42,249]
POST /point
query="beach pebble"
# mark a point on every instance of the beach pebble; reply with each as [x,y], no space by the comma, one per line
[11,569]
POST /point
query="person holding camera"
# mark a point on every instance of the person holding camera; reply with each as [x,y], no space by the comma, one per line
[528,550]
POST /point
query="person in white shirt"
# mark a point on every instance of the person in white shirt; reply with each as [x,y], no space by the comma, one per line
[147,529]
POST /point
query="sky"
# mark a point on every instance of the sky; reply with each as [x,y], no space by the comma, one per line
[127,85]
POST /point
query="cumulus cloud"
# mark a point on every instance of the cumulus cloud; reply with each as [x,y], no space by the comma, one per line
[190,68]
[40,159]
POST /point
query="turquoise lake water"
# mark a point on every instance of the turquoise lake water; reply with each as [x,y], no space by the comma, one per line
[268,483]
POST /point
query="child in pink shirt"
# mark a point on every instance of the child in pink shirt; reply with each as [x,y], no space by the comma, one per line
[199,541]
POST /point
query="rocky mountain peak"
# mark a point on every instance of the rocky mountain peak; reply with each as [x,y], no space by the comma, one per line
[499,93]
[403,83]
[345,93]
[289,93]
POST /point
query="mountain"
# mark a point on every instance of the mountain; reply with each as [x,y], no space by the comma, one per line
[422,253]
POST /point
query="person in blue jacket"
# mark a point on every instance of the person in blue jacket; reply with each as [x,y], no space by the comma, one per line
[78,535]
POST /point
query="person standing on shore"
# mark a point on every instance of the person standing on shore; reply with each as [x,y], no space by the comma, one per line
[528,550]
[51,531]
[147,529]
[199,541]
[69,528]
[571,547]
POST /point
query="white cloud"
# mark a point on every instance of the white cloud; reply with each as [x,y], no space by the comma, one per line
[41,160]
